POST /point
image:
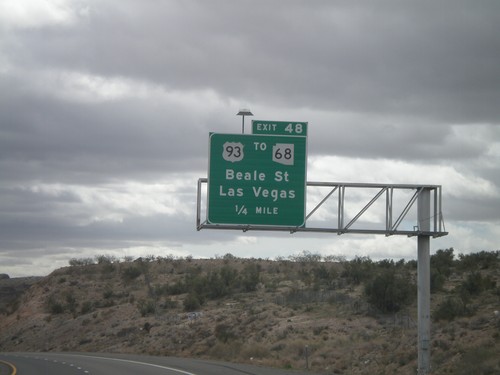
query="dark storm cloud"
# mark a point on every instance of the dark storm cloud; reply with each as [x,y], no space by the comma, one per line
[431,60]
[76,141]
[401,59]
[127,91]
[398,138]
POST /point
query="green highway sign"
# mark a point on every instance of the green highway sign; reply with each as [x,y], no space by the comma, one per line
[279,127]
[257,180]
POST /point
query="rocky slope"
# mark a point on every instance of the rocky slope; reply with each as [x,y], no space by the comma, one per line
[288,313]
[11,289]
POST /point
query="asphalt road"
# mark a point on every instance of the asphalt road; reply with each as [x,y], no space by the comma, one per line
[111,364]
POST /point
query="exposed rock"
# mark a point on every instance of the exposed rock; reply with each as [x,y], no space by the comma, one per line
[11,290]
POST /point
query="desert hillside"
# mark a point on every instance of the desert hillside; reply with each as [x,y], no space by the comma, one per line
[331,315]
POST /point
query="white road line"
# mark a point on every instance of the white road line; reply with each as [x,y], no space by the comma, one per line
[139,363]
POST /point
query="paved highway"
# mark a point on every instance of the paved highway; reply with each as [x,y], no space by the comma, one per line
[111,364]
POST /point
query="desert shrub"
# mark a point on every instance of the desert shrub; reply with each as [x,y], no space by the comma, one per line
[75,262]
[106,264]
[325,277]
[254,351]
[146,307]
[169,304]
[437,281]
[451,308]
[229,277]
[475,283]
[215,286]
[480,360]
[86,308]
[481,260]
[107,270]
[296,297]
[442,261]
[192,302]
[147,327]
[388,291]
[411,264]
[108,293]
[177,288]
[358,270]
[131,273]
[105,259]
[321,272]
[229,257]
[193,281]
[306,257]
[71,302]
[197,284]
[226,351]
[54,306]
[385,264]
[224,333]
[250,277]
[85,341]
[161,290]
[441,268]
[11,307]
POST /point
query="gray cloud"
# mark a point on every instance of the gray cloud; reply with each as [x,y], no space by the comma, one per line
[105,107]
[430,60]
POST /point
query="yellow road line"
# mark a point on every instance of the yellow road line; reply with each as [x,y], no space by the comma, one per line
[14,369]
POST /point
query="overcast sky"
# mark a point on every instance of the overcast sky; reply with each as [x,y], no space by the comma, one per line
[106,107]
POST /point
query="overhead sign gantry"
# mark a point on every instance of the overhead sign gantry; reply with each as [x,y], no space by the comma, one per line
[259,182]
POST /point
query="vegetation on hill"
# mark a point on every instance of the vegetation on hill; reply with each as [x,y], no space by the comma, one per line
[337,316]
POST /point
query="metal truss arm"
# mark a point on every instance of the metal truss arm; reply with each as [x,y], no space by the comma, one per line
[354,225]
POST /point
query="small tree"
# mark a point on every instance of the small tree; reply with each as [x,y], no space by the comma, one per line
[442,261]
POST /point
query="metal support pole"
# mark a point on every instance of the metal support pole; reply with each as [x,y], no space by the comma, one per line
[423,282]
[243,124]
